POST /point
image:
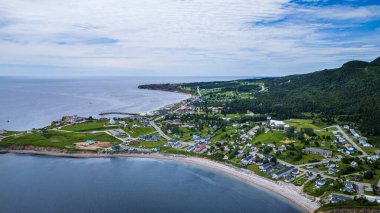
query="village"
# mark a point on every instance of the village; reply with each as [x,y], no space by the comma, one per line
[328,164]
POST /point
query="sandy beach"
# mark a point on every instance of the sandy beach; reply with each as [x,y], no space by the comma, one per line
[285,190]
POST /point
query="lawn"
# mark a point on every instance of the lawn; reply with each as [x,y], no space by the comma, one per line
[255,168]
[306,158]
[220,135]
[309,188]
[147,144]
[303,123]
[140,131]
[299,181]
[274,137]
[56,139]
[89,126]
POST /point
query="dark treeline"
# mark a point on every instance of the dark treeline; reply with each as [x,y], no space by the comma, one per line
[350,93]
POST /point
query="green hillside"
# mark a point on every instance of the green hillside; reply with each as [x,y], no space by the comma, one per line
[350,93]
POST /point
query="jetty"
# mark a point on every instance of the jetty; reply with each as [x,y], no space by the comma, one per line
[117,113]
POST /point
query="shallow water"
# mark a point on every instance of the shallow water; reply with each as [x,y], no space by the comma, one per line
[52,184]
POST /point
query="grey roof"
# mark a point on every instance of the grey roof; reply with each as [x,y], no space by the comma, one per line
[284,171]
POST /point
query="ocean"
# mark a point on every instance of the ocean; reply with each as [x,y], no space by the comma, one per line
[53,184]
[28,103]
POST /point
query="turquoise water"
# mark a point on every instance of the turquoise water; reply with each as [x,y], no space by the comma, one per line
[52,184]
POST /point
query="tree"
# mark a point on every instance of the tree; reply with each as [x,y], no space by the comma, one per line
[368,175]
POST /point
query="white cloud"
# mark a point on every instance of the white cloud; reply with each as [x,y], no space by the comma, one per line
[194,36]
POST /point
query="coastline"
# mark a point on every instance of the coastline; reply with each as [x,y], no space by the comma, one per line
[284,190]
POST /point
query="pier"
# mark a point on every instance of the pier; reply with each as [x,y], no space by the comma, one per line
[117,113]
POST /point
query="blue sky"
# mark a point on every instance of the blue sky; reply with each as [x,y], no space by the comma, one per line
[185,37]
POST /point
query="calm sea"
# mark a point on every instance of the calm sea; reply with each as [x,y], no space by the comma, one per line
[28,103]
[49,184]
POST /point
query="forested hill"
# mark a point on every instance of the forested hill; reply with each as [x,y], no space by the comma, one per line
[350,93]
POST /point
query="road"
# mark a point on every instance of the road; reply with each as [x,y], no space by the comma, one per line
[199,92]
[350,141]
[158,129]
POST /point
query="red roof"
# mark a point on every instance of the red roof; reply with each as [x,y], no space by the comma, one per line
[200,147]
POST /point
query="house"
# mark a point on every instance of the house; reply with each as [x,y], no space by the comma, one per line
[200,148]
[373,157]
[156,149]
[116,148]
[295,172]
[348,186]
[324,153]
[356,135]
[331,165]
[247,160]
[282,148]
[332,171]
[112,122]
[190,148]
[289,178]
[2,131]
[174,144]
[283,172]
[319,183]
[118,132]
[354,164]
[240,154]
[350,151]
[277,124]
[266,166]
[336,198]
[73,119]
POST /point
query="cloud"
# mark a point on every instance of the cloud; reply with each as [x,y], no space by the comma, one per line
[190,37]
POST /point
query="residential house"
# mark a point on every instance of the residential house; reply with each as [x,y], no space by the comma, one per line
[283,172]
[200,148]
[324,153]
[319,183]
[247,160]
[336,198]
[349,186]
[266,165]
[354,164]
[190,148]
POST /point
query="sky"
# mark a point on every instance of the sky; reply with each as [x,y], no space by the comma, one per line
[184,37]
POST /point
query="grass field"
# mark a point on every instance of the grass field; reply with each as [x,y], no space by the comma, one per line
[147,144]
[96,125]
[56,139]
[300,180]
[274,137]
[140,131]
[305,159]
[304,123]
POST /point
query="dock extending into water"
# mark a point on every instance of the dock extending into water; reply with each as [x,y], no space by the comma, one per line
[117,113]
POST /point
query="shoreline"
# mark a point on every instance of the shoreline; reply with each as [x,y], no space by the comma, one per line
[284,190]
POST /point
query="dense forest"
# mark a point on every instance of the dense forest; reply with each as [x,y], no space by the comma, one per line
[350,93]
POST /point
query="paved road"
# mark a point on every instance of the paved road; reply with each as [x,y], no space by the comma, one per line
[351,141]
[158,129]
